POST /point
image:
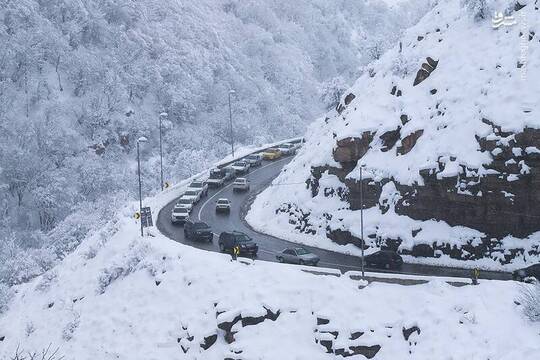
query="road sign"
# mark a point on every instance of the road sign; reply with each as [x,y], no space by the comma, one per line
[137,216]
[146,217]
[167,184]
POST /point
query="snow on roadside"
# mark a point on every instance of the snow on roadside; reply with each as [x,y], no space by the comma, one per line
[123,296]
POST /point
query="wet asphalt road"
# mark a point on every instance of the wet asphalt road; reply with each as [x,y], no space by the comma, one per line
[269,246]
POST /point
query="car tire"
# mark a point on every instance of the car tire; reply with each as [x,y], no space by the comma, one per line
[301,262]
[280,259]
[185,235]
[387,266]
[221,247]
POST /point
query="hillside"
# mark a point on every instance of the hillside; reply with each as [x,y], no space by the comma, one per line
[119,296]
[80,81]
[446,128]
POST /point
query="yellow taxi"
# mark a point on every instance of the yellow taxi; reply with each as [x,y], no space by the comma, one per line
[271,154]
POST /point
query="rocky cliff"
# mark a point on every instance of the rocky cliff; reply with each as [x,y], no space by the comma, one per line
[446,128]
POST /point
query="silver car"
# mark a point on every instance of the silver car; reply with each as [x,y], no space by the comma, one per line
[179,215]
[297,256]
[223,205]
[241,184]
[287,149]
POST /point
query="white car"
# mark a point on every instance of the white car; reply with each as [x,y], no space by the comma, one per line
[199,186]
[241,184]
[179,215]
[223,205]
[254,159]
[287,149]
[241,167]
[186,203]
[192,194]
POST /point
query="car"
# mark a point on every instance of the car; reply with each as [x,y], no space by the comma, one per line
[254,159]
[297,256]
[241,184]
[241,167]
[229,172]
[179,215]
[384,259]
[228,240]
[185,202]
[287,149]
[216,178]
[197,230]
[527,274]
[271,154]
[200,186]
[223,205]
[192,194]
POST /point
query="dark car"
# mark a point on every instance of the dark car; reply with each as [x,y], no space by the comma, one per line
[196,230]
[527,273]
[228,240]
[297,256]
[384,259]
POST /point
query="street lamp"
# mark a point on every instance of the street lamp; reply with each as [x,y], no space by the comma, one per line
[161,116]
[231,92]
[142,139]
[362,220]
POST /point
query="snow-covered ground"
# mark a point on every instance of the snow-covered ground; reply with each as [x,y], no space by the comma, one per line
[476,77]
[119,296]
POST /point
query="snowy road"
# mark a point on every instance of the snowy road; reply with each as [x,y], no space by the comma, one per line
[269,245]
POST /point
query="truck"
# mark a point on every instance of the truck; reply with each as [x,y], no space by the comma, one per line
[216,178]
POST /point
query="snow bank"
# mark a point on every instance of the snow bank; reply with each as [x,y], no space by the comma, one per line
[151,298]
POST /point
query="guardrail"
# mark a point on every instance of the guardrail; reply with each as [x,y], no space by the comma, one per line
[229,162]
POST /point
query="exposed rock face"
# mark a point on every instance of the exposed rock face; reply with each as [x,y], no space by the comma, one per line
[350,150]
[450,168]
[408,142]
[390,138]
[427,68]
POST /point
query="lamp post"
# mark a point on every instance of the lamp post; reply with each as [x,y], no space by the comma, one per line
[161,116]
[142,139]
[231,92]
[362,220]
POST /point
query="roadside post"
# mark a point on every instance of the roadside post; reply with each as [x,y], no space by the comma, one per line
[142,139]
[362,221]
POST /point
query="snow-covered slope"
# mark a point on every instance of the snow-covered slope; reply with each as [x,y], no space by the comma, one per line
[446,127]
[119,296]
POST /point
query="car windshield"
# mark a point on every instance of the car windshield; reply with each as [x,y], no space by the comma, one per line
[196,185]
[180,211]
[191,193]
[240,180]
[184,201]
[251,157]
[200,226]
[242,238]
[223,202]
[301,251]
[240,163]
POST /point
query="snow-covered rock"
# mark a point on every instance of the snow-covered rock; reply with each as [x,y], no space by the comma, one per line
[450,117]
[153,298]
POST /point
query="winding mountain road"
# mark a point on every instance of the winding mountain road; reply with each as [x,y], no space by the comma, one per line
[269,246]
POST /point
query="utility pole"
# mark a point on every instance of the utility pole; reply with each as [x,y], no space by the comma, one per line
[142,139]
[231,92]
[161,116]
[362,220]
